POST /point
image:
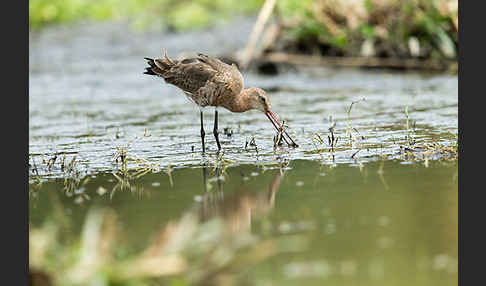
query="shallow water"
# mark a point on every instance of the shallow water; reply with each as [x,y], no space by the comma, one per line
[371,216]
[87,100]
[365,228]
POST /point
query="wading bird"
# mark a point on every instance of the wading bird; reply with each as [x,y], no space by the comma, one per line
[207,81]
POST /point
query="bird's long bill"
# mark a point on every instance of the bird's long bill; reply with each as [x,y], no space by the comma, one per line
[279,128]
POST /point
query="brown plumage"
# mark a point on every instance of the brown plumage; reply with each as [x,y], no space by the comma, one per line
[207,81]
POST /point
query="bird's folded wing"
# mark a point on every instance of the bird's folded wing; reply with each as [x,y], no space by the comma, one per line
[190,75]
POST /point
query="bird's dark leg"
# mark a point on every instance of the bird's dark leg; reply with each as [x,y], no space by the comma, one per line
[215,130]
[202,132]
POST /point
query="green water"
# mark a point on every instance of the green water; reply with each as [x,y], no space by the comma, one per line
[362,211]
[390,224]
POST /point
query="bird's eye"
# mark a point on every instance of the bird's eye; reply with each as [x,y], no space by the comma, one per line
[262,99]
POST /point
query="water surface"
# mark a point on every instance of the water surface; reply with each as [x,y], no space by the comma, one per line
[364,226]
[89,99]
[371,215]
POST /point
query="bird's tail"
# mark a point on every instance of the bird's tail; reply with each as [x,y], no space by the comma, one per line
[159,66]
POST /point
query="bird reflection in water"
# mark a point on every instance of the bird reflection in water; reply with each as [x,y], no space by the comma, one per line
[239,207]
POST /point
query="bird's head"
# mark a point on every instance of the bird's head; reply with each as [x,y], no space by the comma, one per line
[259,99]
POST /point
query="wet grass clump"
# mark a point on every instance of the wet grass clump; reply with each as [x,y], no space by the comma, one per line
[430,151]
[342,141]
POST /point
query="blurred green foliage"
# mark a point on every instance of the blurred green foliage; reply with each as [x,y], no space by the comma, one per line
[175,14]
[390,28]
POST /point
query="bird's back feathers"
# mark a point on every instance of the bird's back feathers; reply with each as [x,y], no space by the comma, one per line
[202,76]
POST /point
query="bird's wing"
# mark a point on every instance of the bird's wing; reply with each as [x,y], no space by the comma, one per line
[190,74]
[215,63]
[237,83]
[230,74]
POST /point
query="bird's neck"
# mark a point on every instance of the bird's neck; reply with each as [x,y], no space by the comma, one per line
[240,102]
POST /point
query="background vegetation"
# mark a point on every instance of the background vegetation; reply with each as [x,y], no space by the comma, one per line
[381,28]
[175,14]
